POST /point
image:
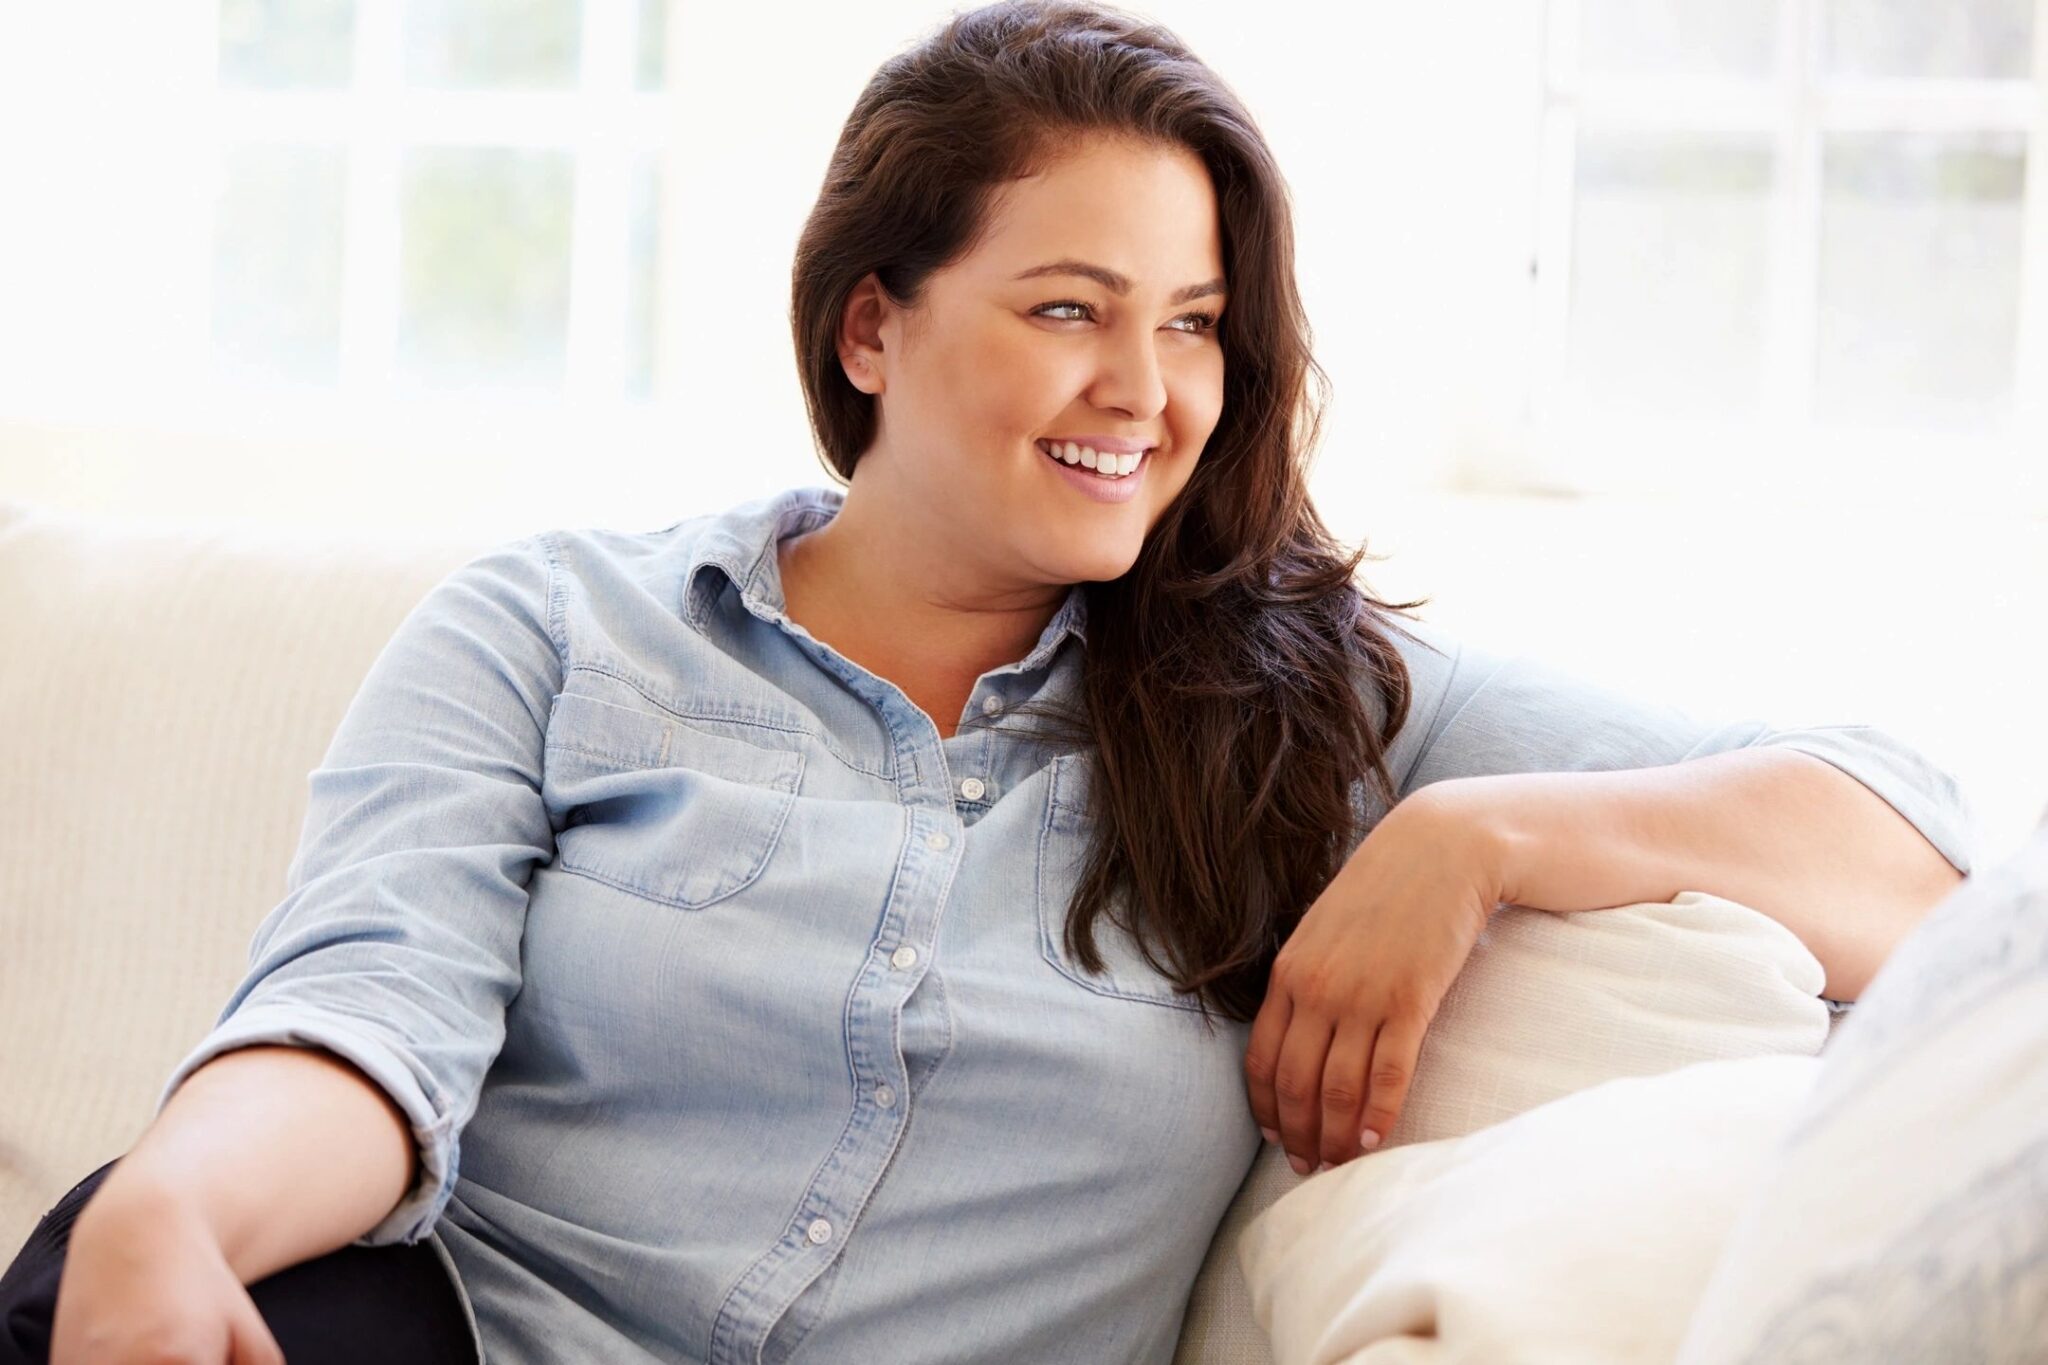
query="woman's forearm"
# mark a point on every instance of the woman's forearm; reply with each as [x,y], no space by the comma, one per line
[1782,832]
[286,1153]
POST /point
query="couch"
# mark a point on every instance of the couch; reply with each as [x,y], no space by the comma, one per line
[167,690]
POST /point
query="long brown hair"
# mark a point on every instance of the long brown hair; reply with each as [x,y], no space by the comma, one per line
[1233,674]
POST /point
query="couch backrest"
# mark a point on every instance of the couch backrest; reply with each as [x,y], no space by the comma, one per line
[164,694]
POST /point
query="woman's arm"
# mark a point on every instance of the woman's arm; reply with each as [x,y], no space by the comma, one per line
[284,1153]
[1777,830]
[397,945]
[1477,713]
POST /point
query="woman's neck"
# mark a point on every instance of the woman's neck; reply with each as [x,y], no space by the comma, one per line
[884,586]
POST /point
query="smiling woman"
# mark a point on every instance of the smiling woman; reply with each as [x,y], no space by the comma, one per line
[994,296]
[800,932]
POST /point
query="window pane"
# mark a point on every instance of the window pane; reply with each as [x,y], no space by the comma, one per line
[277,263]
[484,265]
[642,232]
[287,43]
[1956,39]
[1680,37]
[493,43]
[1670,250]
[1919,277]
[653,56]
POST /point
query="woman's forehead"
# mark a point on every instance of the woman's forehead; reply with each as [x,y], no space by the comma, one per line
[1144,219]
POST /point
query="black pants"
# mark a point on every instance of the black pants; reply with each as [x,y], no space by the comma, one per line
[390,1304]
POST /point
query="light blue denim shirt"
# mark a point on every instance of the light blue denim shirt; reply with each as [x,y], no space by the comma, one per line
[727,1000]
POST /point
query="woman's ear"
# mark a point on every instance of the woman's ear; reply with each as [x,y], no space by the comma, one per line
[860,335]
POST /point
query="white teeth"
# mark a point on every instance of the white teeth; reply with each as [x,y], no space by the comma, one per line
[1105,465]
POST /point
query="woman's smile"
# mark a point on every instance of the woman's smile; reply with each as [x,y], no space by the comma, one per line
[1071,465]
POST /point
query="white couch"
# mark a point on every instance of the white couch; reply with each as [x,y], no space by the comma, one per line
[165,693]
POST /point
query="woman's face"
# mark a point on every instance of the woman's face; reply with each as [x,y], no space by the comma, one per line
[1087,311]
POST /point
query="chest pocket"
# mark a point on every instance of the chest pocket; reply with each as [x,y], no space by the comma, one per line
[1062,845]
[650,804]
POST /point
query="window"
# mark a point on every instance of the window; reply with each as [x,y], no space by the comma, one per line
[1794,242]
[437,197]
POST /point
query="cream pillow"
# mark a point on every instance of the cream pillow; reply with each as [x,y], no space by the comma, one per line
[1579,1233]
[1547,1005]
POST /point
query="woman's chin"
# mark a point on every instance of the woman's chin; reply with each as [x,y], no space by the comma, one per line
[1097,564]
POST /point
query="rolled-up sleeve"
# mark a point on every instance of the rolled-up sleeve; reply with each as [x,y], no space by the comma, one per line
[397,944]
[1477,713]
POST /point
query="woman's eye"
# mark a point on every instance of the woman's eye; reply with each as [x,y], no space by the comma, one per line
[1044,306]
[1204,321]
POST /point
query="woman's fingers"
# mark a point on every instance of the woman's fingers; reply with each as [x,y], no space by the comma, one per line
[1344,1090]
[1283,1068]
[1262,1060]
[1394,1056]
[1298,1087]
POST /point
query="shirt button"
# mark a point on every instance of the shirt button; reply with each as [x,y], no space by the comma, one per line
[820,1231]
[936,842]
[991,704]
[972,788]
[885,1097]
[904,958]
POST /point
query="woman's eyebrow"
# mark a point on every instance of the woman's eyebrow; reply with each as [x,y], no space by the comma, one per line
[1116,283]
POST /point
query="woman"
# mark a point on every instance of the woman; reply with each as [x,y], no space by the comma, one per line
[877,924]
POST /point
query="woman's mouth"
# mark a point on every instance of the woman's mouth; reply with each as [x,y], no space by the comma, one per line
[1070,464]
[1102,464]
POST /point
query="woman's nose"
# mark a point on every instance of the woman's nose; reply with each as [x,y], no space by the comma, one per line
[1130,380]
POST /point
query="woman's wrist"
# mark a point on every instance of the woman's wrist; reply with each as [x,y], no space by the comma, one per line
[133,1200]
[1461,815]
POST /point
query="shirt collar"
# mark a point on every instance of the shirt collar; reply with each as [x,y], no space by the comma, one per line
[741,542]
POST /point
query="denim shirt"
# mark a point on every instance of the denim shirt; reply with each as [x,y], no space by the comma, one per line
[727,1001]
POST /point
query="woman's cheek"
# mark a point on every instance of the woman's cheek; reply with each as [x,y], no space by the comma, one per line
[1015,379]
[1197,395]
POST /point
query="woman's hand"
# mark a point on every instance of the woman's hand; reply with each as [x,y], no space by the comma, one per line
[145,1280]
[1355,986]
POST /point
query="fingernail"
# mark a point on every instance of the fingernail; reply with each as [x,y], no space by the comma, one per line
[1269,1134]
[1368,1139]
[1324,1167]
[1300,1166]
